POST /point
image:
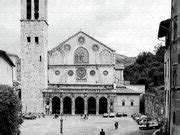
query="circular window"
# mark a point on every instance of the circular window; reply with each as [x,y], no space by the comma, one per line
[105,72]
[92,72]
[81,40]
[95,47]
[81,72]
[67,47]
[57,72]
[70,73]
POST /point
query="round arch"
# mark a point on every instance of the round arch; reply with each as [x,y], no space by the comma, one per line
[103,105]
[67,105]
[56,105]
[79,105]
[81,55]
[91,105]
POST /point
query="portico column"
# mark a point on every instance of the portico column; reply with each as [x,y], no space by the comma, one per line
[50,104]
[108,105]
[44,104]
[85,105]
[97,106]
[61,105]
[73,106]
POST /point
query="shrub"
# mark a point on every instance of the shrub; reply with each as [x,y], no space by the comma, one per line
[10,111]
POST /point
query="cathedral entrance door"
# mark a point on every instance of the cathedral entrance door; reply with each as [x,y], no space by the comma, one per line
[67,105]
[56,105]
[102,105]
[79,105]
[91,105]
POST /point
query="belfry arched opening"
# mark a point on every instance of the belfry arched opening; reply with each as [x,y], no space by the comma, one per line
[79,105]
[55,105]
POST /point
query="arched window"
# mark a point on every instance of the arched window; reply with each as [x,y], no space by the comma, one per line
[81,56]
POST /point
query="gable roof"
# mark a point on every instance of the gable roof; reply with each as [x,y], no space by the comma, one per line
[127,91]
[6,58]
[55,48]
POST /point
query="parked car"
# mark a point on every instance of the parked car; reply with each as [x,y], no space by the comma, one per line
[105,115]
[111,114]
[29,116]
[142,121]
[124,114]
[135,116]
[118,114]
[153,124]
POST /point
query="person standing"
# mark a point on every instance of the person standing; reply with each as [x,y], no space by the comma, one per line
[47,109]
[116,125]
[102,132]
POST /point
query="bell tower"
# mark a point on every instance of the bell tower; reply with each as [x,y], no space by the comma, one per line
[34,41]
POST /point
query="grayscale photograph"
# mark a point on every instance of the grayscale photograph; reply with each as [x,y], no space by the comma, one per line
[90,67]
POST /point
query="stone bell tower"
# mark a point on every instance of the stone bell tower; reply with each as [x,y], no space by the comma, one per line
[34,41]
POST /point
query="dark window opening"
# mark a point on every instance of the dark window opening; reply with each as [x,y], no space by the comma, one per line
[36,40]
[36,9]
[28,39]
[132,103]
[28,9]
[40,58]
[174,77]
[178,58]
[174,118]
[123,103]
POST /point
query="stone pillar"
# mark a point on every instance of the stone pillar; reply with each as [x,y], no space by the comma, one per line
[50,104]
[73,106]
[61,105]
[85,105]
[108,105]
[44,103]
[97,106]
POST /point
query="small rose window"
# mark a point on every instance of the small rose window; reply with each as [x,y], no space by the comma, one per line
[57,72]
[95,47]
[70,73]
[105,72]
[92,72]
[81,40]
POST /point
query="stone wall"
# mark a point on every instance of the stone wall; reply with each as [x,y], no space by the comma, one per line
[154,106]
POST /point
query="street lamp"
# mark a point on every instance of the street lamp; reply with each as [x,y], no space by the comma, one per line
[61,125]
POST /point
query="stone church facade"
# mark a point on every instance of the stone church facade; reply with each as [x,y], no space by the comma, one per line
[78,76]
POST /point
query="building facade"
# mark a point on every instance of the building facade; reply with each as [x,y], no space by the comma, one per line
[83,78]
[6,70]
[78,76]
[170,29]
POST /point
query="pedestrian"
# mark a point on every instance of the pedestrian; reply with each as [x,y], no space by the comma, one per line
[116,125]
[47,109]
[84,116]
[102,132]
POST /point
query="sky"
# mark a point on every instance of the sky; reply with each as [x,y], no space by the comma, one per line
[127,26]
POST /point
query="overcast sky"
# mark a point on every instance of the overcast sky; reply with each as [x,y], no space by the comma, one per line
[127,26]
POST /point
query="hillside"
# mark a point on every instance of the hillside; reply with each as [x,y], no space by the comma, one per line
[124,59]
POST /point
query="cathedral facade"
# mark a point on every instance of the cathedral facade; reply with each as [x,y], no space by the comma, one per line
[78,76]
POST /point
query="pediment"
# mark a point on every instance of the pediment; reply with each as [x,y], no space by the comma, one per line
[64,46]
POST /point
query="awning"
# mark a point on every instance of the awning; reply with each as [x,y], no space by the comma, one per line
[164,28]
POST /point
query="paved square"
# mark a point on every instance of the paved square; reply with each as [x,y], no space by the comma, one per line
[74,125]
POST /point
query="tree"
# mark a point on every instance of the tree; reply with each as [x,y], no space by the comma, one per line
[10,111]
[148,69]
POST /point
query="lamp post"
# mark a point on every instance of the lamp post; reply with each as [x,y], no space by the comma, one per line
[61,125]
